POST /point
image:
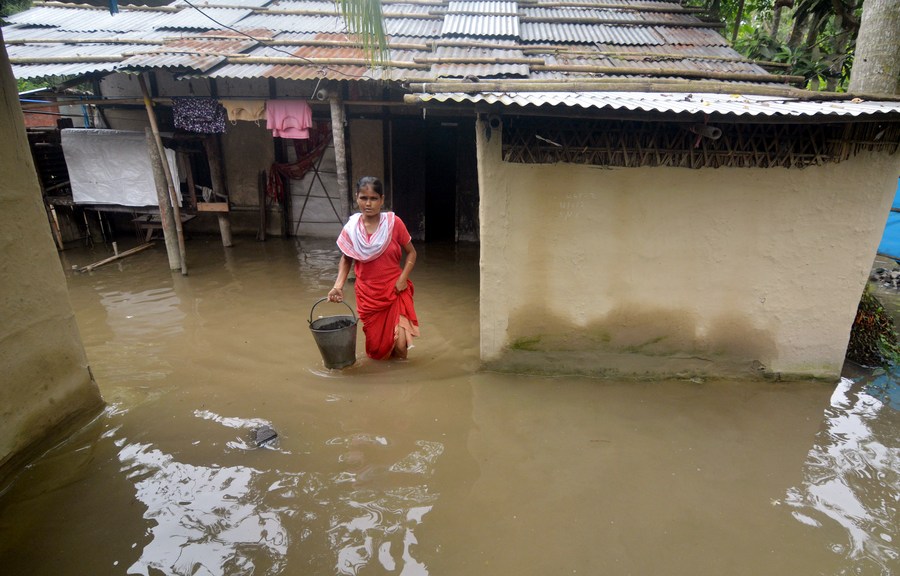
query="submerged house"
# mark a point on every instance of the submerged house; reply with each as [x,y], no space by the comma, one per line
[647,201]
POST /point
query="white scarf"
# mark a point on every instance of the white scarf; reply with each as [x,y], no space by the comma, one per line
[356,243]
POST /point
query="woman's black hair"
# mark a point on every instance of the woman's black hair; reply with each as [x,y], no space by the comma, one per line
[372,182]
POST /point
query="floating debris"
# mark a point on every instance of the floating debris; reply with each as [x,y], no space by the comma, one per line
[263,435]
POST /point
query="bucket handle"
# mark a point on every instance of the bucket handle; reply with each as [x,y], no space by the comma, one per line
[352,311]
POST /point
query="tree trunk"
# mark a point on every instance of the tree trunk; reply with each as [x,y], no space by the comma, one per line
[876,66]
[796,33]
[737,22]
[776,22]
[812,33]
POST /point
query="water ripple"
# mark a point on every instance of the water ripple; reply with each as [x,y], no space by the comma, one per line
[851,479]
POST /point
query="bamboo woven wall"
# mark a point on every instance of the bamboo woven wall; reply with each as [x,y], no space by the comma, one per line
[632,144]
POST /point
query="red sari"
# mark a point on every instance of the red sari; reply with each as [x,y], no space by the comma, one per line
[380,307]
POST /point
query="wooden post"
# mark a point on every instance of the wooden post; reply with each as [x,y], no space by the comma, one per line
[173,196]
[217,175]
[189,177]
[340,150]
[261,187]
[165,209]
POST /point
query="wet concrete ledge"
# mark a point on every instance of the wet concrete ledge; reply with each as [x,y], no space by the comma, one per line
[639,367]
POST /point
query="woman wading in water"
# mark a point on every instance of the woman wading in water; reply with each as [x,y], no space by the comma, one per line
[375,241]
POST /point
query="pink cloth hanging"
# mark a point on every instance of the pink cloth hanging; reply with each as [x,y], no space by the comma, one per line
[289,118]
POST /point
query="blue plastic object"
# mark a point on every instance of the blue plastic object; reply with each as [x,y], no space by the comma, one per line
[890,239]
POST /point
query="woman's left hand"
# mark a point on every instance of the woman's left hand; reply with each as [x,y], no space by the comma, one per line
[401,285]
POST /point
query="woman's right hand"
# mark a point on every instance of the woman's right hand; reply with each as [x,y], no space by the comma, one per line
[336,295]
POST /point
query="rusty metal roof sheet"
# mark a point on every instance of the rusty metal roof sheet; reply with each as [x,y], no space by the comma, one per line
[193,53]
[558,48]
[727,104]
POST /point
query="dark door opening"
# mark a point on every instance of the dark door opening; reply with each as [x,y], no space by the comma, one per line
[440,178]
[433,177]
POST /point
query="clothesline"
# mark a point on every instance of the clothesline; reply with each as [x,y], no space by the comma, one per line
[286,118]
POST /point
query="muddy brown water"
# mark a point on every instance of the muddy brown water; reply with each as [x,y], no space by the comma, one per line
[428,466]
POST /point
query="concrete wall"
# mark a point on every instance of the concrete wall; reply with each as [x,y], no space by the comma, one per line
[46,383]
[679,271]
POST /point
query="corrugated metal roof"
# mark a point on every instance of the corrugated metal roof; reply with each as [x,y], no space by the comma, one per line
[690,36]
[242,3]
[586,33]
[166,60]
[486,7]
[195,53]
[480,26]
[90,18]
[501,69]
[294,23]
[29,71]
[737,105]
[413,27]
[206,18]
[586,13]
[490,22]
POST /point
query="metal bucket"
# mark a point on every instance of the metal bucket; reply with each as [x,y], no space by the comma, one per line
[335,336]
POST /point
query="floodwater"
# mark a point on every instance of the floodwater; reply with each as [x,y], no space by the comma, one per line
[427,466]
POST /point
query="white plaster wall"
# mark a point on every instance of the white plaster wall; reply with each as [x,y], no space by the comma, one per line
[45,380]
[722,270]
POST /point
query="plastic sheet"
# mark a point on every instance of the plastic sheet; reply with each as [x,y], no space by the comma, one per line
[112,167]
[890,238]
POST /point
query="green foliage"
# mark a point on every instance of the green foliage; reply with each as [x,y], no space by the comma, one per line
[25,85]
[823,56]
[365,20]
[873,339]
[10,7]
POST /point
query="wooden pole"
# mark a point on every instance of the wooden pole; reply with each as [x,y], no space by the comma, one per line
[135,250]
[261,189]
[340,150]
[634,85]
[165,208]
[173,196]
[217,175]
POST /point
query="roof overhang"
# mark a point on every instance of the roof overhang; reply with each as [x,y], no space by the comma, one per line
[776,107]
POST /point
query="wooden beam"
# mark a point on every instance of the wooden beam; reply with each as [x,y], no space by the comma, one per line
[678,72]
[633,85]
[135,250]
[212,207]
[303,61]
[478,60]
[65,59]
[618,22]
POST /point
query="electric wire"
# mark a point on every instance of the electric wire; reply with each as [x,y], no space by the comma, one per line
[264,43]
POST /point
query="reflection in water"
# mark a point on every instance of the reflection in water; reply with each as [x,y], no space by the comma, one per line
[428,466]
[852,475]
[207,520]
[213,520]
[141,323]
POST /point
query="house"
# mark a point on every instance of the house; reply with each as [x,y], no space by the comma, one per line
[647,201]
